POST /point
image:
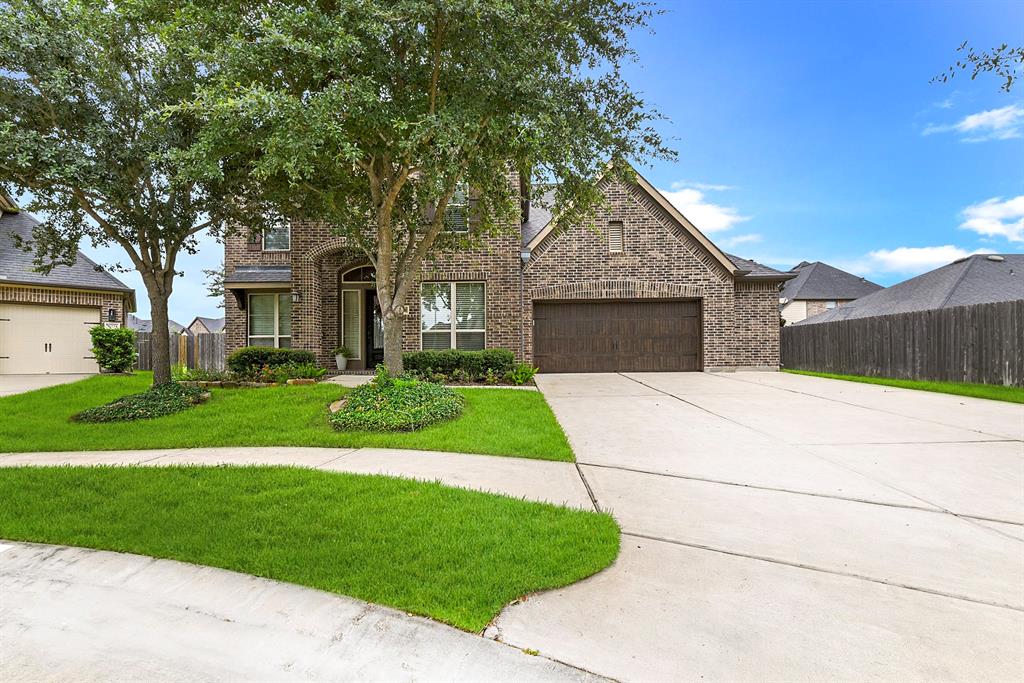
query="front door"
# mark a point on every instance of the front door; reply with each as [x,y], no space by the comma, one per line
[374,331]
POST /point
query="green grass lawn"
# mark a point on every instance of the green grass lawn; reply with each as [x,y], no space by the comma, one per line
[494,422]
[454,555]
[993,392]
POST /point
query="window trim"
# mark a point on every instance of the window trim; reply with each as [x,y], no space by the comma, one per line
[277,336]
[288,225]
[453,340]
[359,321]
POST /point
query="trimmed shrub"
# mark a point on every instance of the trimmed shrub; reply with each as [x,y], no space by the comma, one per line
[396,405]
[163,399]
[471,364]
[251,359]
[114,348]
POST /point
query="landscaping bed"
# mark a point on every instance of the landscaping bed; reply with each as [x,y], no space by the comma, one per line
[387,404]
[158,401]
[493,421]
[453,555]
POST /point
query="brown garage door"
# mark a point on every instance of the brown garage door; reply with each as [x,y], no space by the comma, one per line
[611,336]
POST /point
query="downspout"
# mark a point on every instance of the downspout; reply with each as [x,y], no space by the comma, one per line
[524,258]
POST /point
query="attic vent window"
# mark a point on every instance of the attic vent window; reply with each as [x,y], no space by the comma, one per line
[615,240]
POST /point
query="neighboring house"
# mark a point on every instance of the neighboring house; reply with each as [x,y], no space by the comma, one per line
[819,287]
[978,279]
[45,319]
[142,325]
[645,290]
[203,325]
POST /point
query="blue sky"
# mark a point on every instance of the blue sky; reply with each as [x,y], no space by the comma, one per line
[810,131]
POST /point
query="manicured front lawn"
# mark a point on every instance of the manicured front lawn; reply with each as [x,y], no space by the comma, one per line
[494,422]
[989,391]
[455,555]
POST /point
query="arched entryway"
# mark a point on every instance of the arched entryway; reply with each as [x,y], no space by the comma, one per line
[360,326]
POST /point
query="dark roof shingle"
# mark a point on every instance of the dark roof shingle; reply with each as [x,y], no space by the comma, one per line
[821,282]
[978,279]
[247,274]
[16,264]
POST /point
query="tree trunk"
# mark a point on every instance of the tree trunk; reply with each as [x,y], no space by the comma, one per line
[160,338]
[393,341]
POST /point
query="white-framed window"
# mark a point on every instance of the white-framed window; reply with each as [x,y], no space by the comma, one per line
[270,320]
[830,304]
[278,237]
[456,213]
[453,315]
[351,322]
[616,241]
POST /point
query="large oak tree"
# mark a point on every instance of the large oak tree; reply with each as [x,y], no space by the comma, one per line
[370,115]
[83,88]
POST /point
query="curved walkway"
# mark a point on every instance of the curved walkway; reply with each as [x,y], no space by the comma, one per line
[76,614]
[541,480]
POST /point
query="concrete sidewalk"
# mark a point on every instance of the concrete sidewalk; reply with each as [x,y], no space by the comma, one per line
[538,480]
[70,614]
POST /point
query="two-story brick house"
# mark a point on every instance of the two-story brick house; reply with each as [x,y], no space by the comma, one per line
[643,289]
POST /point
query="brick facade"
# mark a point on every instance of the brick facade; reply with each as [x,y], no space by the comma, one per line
[659,259]
[59,296]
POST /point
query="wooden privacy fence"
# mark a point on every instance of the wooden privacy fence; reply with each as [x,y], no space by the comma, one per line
[204,351]
[982,343]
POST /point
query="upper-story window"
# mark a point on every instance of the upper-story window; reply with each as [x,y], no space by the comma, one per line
[278,237]
[456,214]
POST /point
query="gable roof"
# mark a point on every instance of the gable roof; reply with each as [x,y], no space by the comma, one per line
[978,279]
[16,265]
[753,269]
[211,324]
[143,325]
[820,281]
[539,232]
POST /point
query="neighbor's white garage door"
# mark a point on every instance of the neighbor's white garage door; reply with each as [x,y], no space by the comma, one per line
[37,340]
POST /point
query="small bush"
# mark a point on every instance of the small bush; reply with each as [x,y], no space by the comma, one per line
[250,359]
[520,374]
[114,348]
[283,373]
[390,404]
[470,365]
[163,399]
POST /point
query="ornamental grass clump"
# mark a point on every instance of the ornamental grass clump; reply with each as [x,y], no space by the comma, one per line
[389,404]
[160,400]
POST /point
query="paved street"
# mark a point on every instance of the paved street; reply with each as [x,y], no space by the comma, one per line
[787,527]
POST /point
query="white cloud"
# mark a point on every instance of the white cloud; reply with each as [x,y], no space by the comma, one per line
[1004,123]
[729,242]
[996,218]
[707,187]
[906,260]
[707,216]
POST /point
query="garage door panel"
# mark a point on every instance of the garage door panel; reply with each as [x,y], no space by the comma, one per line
[37,339]
[609,336]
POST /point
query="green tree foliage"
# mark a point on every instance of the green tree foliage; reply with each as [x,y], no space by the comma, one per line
[370,115]
[83,85]
[1004,61]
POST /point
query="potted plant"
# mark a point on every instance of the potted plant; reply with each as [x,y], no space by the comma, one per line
[341,356]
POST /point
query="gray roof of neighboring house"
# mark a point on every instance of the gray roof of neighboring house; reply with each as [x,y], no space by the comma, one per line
[821,282]
[978,279]
[143,325]
[249,274]
[757,270]
[16,265]
[212,324]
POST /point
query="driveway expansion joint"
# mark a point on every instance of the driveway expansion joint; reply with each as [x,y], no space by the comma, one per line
[824,570]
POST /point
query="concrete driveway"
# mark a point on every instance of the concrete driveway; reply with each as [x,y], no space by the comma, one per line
[19,384]
[790,528]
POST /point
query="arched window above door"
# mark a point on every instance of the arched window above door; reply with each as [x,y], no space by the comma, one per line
[365,274]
